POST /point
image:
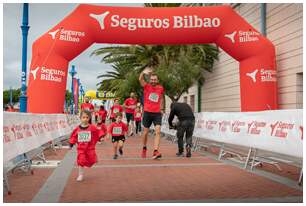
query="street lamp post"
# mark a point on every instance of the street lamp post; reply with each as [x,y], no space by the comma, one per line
[77,103]
[72,73]
[24,29]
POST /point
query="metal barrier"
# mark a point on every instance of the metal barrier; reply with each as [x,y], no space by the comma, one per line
[248,157]
[23,162]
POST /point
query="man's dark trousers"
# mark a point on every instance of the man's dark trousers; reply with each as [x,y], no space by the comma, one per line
[185,127]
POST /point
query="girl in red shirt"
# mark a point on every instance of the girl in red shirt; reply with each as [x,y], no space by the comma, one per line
[114,109]
[117,130]
[85,136]
[137,118]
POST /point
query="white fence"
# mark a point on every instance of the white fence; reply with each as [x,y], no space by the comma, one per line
[279,131]
[23,132]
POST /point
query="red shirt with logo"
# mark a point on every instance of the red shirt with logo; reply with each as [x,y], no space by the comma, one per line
[87,106]
[137,116]
[85,137]
[130,102]
[152,96]
[117,129]
[115,109]
[102,113]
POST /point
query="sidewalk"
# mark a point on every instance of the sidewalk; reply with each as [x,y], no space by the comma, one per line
[133,179]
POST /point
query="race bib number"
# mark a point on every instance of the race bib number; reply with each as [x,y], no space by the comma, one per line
[116,110]
[117,130]
[138,115]
[84,136]
[153,97]
[87,109]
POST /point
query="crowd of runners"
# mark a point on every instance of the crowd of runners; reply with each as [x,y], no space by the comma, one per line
[98,126]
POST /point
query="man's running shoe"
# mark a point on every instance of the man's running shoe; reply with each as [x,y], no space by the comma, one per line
[144,153]
[156,155]
[115,156]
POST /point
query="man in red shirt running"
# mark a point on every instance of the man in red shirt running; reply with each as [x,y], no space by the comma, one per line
[130,105]
[153,102]
[88,106]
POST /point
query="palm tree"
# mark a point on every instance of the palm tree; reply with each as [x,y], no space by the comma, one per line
[135,56]
[121,81]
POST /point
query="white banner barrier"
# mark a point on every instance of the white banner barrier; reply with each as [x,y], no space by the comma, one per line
[279,131]
[23,132]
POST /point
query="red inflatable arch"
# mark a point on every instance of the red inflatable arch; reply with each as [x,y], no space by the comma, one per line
[89,24]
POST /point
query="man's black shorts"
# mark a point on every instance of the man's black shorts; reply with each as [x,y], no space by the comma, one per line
[149,117]
[129,117]
[118,138]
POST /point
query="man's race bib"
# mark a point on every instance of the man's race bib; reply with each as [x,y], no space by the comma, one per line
[84,136]
[116,110]
[87,109]
[138,115]
[153,97]
[117,130]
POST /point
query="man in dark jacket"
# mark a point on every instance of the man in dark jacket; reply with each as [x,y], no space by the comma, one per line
[186,125]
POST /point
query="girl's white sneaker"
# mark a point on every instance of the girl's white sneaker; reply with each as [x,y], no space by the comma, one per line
[80,178]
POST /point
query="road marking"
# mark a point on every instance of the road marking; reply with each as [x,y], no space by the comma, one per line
[55,184]
[159,165]
[290,199]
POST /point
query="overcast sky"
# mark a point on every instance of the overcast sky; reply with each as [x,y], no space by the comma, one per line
[43,17]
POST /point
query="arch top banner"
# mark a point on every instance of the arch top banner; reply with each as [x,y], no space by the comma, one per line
[89,24]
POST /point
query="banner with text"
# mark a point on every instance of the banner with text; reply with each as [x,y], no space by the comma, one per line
[278,131]
[23,132]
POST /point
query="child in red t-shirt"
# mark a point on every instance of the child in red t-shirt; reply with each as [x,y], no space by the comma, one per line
[114,109]
[102,113]
[85,136]
[102,130]
[137,119]
[117,130]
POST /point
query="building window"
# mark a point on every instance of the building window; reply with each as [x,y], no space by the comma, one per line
[185,99]
[192,103]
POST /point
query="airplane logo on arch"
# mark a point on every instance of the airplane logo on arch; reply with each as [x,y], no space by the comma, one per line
[100,18]
[53,33]
[231,36]
[34,71]
[252,75]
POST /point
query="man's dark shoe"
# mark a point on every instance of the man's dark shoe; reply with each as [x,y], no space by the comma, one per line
[180,154]
[188,150]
